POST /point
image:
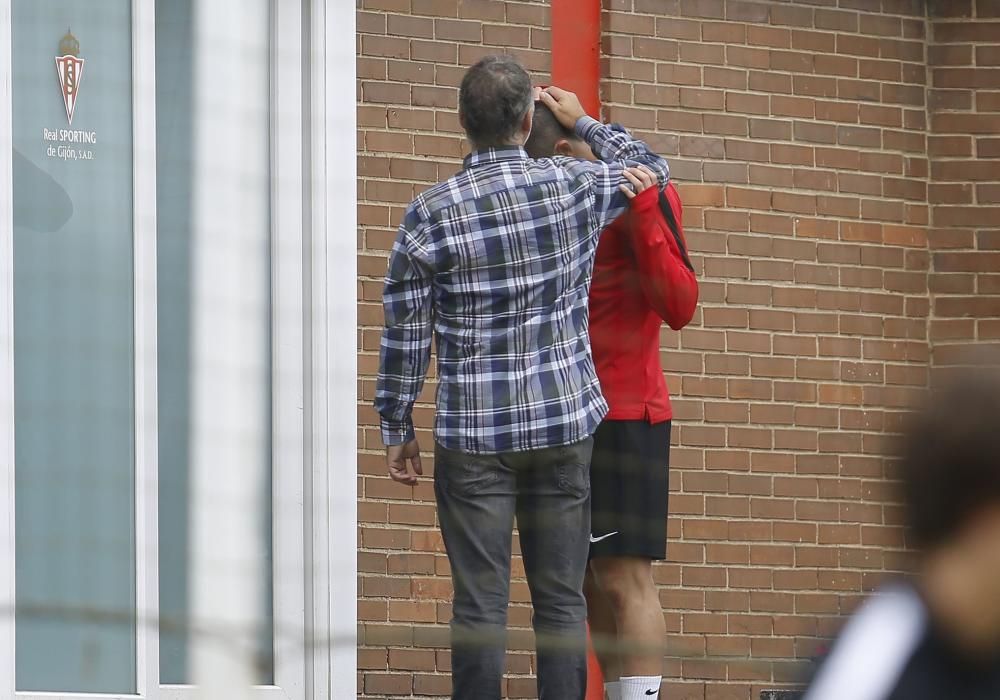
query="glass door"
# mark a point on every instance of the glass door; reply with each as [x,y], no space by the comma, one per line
[111,174]
[73,330]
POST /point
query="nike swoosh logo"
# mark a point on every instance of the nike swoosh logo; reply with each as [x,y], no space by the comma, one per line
[602,537]
[652,692]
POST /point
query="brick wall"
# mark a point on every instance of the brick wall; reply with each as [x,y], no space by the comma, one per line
[798,133]
[964,148]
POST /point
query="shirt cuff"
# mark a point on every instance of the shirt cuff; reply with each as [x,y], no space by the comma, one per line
[585,127]
[397,432]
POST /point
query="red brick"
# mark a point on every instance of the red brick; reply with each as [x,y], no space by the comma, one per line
[726,172]
[792,16]
[793,106]
[844,66]
[775,83]
[792,62]
[836,111]
[672,26]
[781,225]
[772,176]
[725,78]
[710,9]
[439,8]
[661,49]
[948,32]
[723,32]
[863,90]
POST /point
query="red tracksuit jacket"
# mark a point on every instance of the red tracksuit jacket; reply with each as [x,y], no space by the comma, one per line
[640,280]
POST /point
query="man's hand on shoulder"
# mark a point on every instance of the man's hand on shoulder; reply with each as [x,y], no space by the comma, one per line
[641,179]
[397,456]
[564,104]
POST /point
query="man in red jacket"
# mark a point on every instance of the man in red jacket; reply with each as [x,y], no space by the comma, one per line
[642,277]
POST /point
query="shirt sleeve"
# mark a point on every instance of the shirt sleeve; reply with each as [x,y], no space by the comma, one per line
[617,150]
[406,339]
[668,284]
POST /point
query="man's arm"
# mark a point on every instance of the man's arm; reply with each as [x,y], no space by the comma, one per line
[406,339]
[613,144]
[668,285]
[615,147]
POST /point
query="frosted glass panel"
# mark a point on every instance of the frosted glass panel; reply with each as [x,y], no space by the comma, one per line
[73,360]
[175,127]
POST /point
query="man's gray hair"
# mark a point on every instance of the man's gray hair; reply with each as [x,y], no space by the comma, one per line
[494,97]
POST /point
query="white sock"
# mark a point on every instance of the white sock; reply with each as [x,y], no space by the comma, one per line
[613,689]
[638,687]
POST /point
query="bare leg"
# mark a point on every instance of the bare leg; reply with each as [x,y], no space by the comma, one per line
[603,631]
[627,585]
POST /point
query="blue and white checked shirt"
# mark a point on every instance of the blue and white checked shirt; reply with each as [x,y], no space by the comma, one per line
[497,261]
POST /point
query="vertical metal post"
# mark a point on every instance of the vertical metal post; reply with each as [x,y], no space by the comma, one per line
[576,66]
[576,50]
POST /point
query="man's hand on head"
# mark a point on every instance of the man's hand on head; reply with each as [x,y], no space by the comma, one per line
[565,105]
[397,457]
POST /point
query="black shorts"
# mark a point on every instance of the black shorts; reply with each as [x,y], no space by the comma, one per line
[629,486]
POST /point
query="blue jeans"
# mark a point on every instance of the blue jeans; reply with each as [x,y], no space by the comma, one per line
[478,497]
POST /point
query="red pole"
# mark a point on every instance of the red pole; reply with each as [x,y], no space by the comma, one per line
[595,681]
[576,66]
[576,50]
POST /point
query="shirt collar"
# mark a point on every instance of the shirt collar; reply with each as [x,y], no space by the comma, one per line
[494,155]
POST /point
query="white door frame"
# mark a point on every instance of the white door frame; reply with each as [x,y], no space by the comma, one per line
[147,537]
[6,354]
[331,375]
[314,416]
[287,346]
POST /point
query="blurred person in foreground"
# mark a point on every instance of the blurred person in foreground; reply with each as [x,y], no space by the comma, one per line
[936,635]
[495,263]
[642,278]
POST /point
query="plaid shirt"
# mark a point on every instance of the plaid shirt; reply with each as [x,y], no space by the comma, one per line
[497,261]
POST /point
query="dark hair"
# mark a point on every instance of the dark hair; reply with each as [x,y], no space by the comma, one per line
[950,466]
[545,132]
[494,97]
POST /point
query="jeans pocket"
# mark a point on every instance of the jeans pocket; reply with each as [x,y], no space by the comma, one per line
[574,479]
[472,478]
[573,472]
[465,475]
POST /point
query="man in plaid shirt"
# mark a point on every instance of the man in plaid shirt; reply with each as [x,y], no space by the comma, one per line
[495,262]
